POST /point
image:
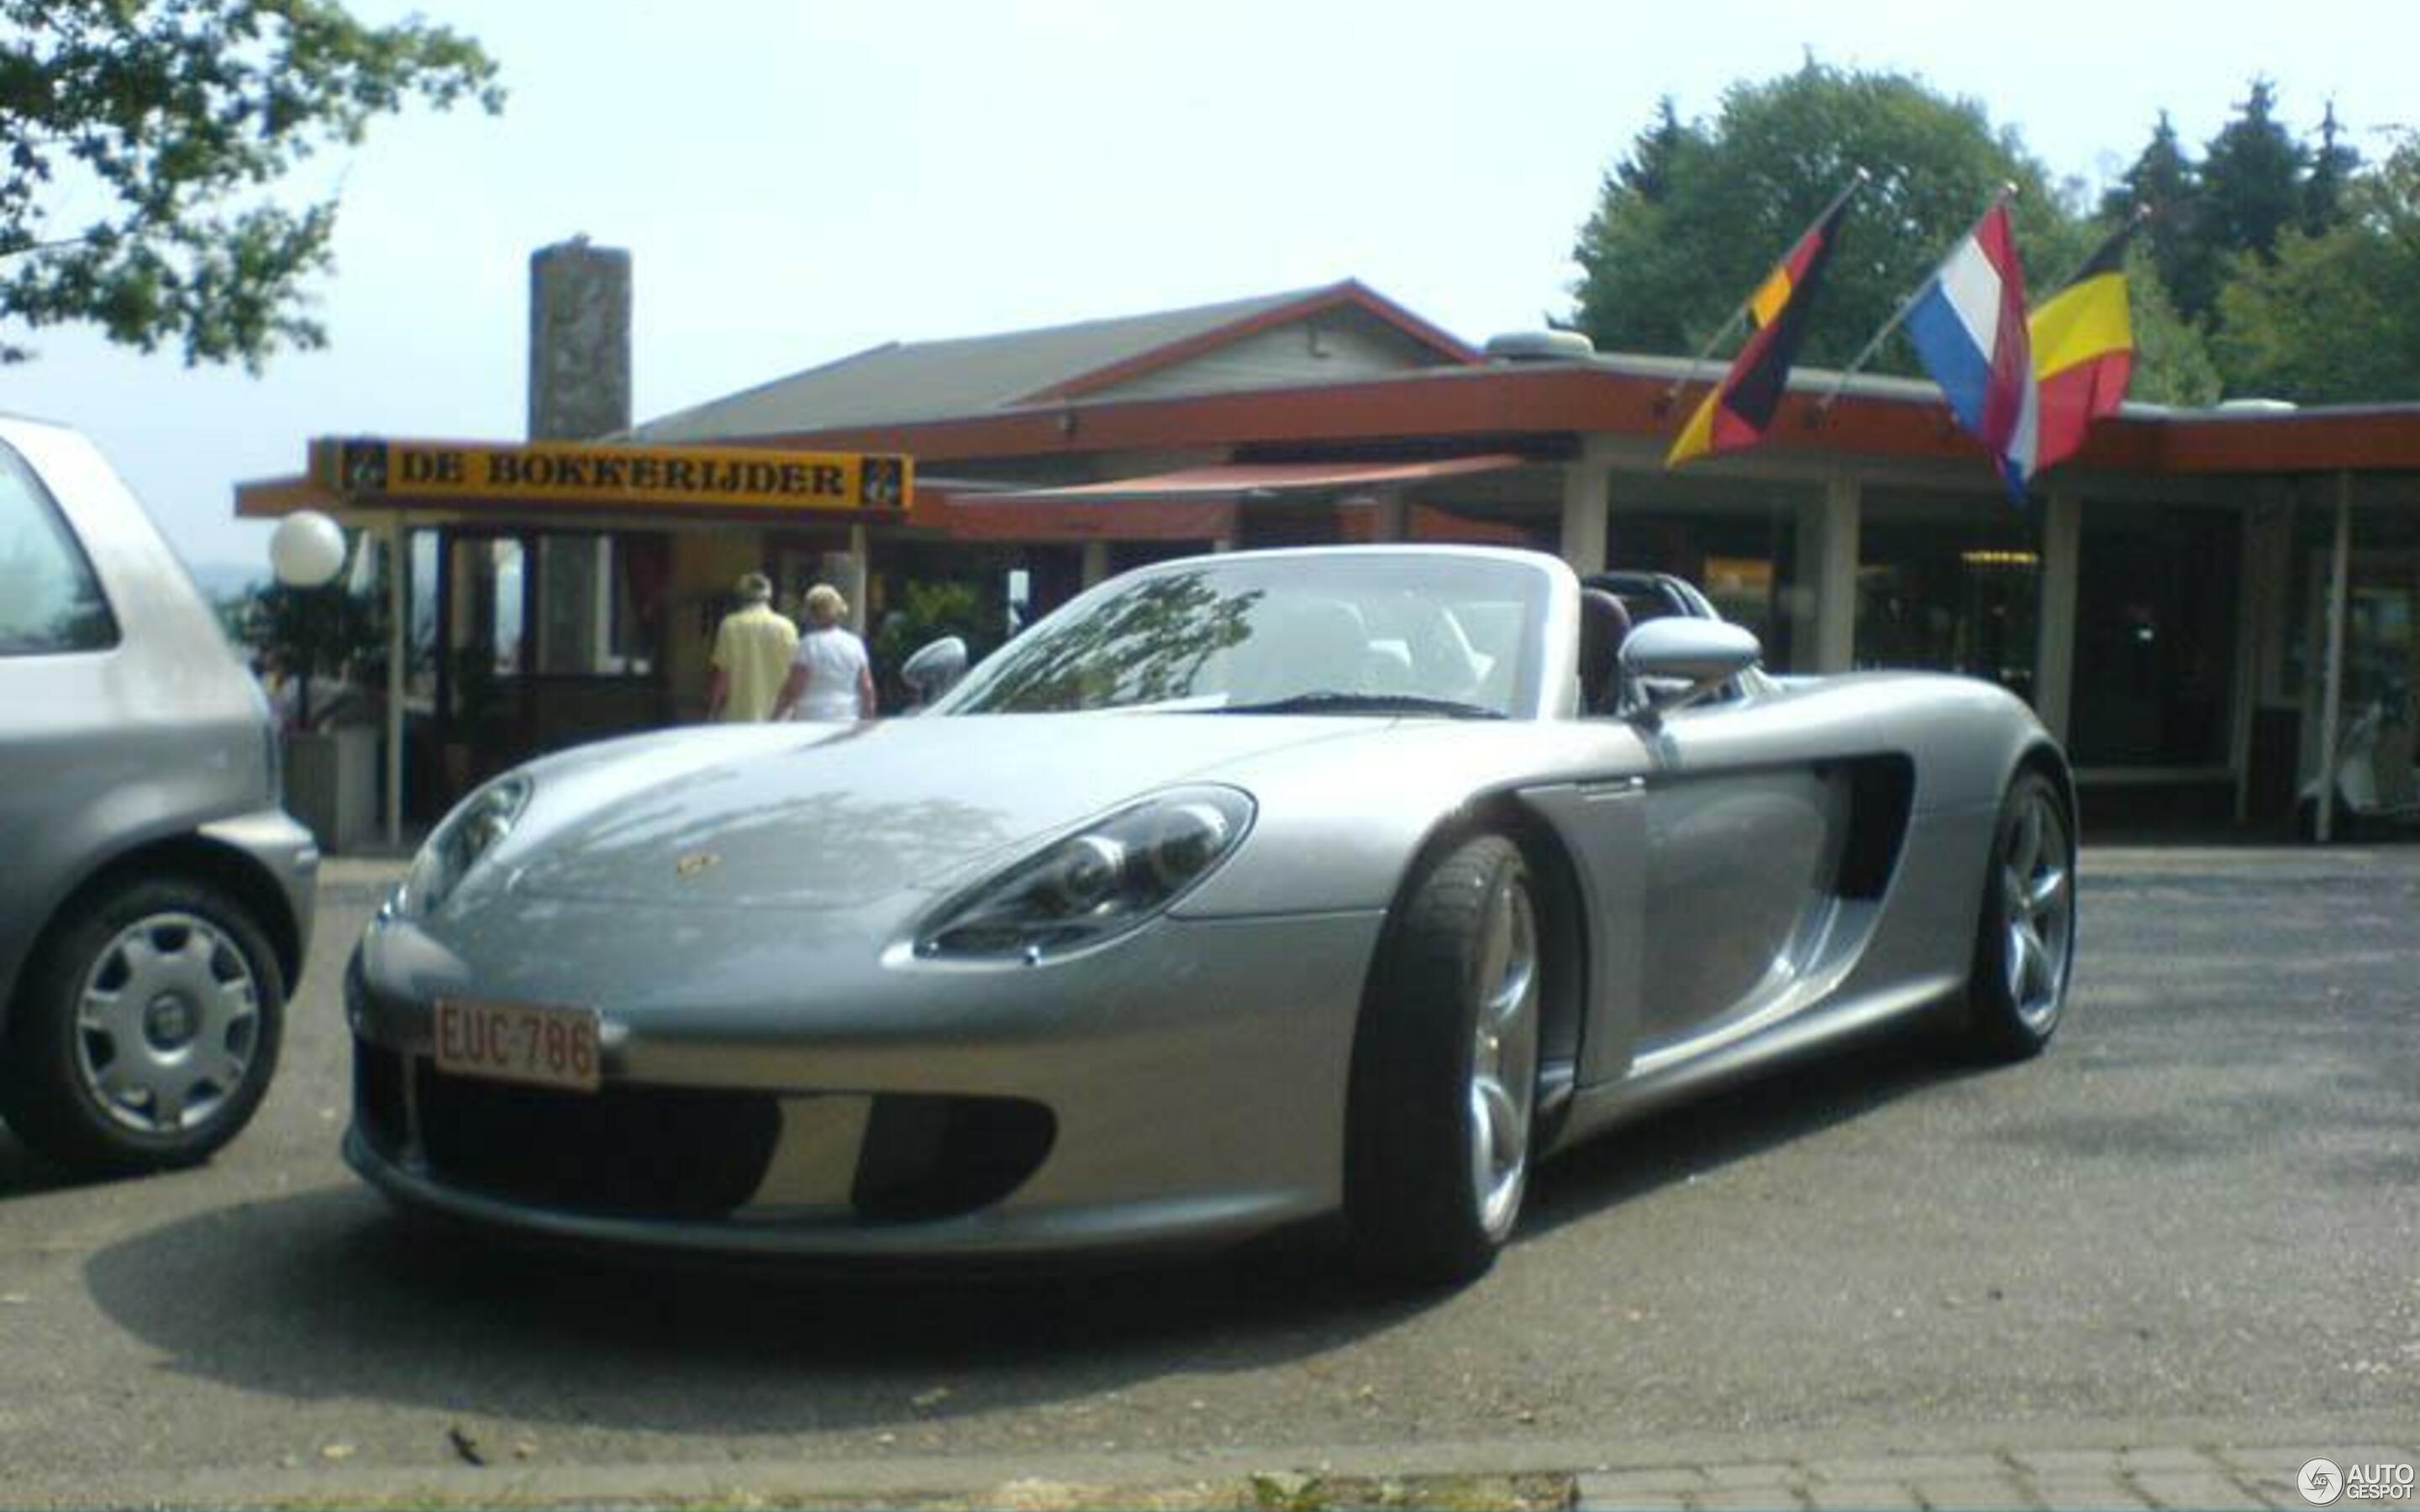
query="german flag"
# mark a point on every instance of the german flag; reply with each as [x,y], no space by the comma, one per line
[1741,406]
[2084,350]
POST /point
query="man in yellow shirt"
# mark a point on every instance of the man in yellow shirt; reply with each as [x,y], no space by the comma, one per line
[752,647]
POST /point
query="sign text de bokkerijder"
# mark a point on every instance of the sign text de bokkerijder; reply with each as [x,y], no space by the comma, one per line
[554,472]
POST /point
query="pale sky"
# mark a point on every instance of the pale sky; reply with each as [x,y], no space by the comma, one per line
[797,181]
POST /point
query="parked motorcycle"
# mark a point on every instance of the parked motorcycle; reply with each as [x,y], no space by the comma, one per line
[2377,784]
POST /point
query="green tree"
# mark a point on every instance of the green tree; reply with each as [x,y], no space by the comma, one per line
[147,139]
[2163,185]
[2252,178]
[2334,317]
[1647,171]
[2332,167]
[317,636]
[1696,216]
[2172,359]
[929,610]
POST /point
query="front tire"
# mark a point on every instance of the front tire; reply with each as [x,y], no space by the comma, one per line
[1445,1071]
[146,1031]
[2025,944]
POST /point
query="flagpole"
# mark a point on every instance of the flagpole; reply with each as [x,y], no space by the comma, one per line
[1689,375]
[1822,409]
[1664,402]
[2141,218]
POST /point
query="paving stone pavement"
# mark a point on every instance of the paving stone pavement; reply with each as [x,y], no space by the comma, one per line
[2085,1480]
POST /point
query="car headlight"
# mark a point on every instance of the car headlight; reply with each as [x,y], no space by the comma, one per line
[1096,884]
[477,825]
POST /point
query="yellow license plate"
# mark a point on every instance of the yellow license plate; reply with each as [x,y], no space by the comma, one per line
[531,1043]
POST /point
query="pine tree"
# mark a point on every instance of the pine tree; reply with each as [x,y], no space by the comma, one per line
[2252,178]
[2164,182]
[2332,167]
[1647,171]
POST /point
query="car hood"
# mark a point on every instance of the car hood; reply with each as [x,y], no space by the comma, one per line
[843,815]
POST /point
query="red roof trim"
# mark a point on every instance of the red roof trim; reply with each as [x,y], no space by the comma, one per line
[1025,518]
[2312,440]
[1350,293]
[1236,479]
[1571,399]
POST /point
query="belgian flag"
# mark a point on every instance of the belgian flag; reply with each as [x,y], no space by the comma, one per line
[2084,350]
[1741,406]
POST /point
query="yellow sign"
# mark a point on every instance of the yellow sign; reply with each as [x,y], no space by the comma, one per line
[370,469]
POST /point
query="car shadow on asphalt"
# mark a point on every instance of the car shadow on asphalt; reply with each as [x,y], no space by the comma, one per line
[24,1174]
[328,1294]
[1698,1138]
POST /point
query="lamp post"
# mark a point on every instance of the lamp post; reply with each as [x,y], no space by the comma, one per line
[306,552]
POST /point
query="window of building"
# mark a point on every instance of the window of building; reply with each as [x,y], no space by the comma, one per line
[2155,637]
[49,602]
[1745,561]
[2376,694]
[421,587]
[2384,590]
[600,605]
[500,575]
[1949,582]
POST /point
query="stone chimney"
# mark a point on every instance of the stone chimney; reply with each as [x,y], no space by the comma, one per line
[579,341]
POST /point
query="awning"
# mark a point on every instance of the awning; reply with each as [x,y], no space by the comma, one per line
[1188,504]
[1023,518]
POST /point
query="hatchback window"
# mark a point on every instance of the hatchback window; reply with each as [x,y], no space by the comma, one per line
[49,600]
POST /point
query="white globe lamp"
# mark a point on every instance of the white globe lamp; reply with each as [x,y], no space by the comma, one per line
[307,549]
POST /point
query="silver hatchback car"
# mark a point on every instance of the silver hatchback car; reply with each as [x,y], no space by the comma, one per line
[155,902]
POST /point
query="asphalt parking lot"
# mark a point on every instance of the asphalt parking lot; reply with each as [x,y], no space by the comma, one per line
[2195,1222]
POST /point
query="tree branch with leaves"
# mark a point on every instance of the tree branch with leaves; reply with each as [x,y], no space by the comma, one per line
[147,141]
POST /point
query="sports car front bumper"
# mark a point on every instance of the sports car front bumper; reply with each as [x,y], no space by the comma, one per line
[789,1085]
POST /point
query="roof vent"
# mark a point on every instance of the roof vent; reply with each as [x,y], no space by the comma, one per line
[1540,347]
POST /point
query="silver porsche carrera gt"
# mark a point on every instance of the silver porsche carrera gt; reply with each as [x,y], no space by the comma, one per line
[1242,890]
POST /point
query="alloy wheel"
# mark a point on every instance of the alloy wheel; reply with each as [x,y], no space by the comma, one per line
[1504,1053]
[2038,904]
[168,1024]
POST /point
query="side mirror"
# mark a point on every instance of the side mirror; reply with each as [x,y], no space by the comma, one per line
[935,667]
[1677,662]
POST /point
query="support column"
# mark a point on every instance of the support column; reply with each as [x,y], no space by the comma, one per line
[1096,561]
[2054,633]
[600,626]
[2332,694]
[1391,515]
[860,570]
[2250,595]
[1827,552]
[399,646]
[1586,500]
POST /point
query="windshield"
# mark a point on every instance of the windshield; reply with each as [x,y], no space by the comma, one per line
[1309,633]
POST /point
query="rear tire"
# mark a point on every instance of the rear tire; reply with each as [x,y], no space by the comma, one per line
[1445,1072]
[145,1032]
[2024,943]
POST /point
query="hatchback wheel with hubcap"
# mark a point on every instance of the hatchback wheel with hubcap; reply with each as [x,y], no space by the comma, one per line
[147,1032]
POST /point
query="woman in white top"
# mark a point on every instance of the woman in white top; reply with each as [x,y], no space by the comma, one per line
[831,676]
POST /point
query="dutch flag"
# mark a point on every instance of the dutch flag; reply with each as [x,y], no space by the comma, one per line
[1968,324]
